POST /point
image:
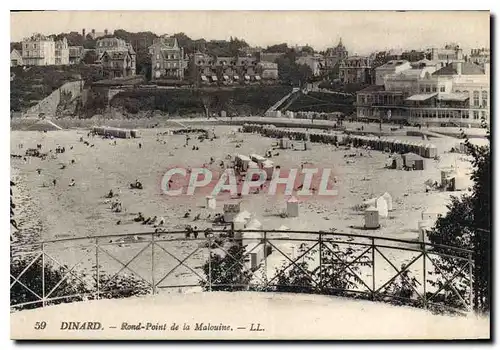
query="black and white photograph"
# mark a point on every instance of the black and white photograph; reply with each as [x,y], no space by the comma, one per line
[250,175]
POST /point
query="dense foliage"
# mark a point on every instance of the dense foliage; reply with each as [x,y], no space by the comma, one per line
[251,100]
[323,102]
[77,284]
[226,271]
[468,225]
[32,85]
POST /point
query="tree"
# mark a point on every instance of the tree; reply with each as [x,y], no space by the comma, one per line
[90,57]
[227,273]
[281,48]
[17,46]
[55,277]
[292,73]
[307,49]
[468,225]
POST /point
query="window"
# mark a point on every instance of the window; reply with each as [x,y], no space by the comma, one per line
[157,56]
[483,115]
[422,89]
[476,115]
[157,65]
[476,98]
[442,89]
[175,64]
[427,89]
[484,96]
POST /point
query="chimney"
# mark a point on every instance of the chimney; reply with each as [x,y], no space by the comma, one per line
[105,32]
[93,32]
[83,32]
[434,54]
[460,54]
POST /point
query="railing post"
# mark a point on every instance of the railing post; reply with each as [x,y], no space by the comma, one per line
[320,239]
[424,279]
[210,262]
[43,274]
[153,283]
[471,285]
[373,268]
[265,257]
[97,267]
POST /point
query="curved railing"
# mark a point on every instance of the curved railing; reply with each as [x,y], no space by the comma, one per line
[360,266]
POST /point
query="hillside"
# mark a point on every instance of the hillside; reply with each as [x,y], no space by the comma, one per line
[323,102]
[31,85]
[235,101]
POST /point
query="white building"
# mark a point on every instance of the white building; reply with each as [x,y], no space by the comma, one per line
[391,67]
[316,62]
[456,94]
[39,50]
[61,52]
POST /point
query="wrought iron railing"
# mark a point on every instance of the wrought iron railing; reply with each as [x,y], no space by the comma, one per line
[360,266]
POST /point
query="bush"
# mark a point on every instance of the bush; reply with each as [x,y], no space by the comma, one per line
[119,287]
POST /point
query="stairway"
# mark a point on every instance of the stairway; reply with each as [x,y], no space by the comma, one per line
[276,106]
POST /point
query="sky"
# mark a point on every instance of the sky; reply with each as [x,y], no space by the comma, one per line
[362,32]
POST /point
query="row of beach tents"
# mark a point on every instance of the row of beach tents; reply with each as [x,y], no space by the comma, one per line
[425,150]
[116,132]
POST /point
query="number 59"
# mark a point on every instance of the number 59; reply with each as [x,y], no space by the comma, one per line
[40,325]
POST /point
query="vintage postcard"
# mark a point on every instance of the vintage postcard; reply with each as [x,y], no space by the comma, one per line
[250,175]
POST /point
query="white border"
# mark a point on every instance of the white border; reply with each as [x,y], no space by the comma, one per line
[184,5]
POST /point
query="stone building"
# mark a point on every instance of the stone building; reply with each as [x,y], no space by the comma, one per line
[167,59]
[335,55]
[117,64]
[480,56]
[38,50]
[456,94]
[316,62]
[76,54]
[356,70]
[61,52]
[117,57]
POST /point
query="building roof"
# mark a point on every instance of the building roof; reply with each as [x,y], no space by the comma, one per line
[372,88]
[467,69]
[421,97]
[412,156]
[268,65]
[14,52]
[116,54]
[393,63]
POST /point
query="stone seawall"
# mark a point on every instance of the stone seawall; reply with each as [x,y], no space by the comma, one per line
[48,105]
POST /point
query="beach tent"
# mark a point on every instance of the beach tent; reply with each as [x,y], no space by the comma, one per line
[292,207]
[268,167]
[388,199]
[397,162]
[413,160]
[381,206]
[372,218]
[257,158]
[211,202]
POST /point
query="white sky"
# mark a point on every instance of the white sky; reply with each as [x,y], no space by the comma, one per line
[362,32]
